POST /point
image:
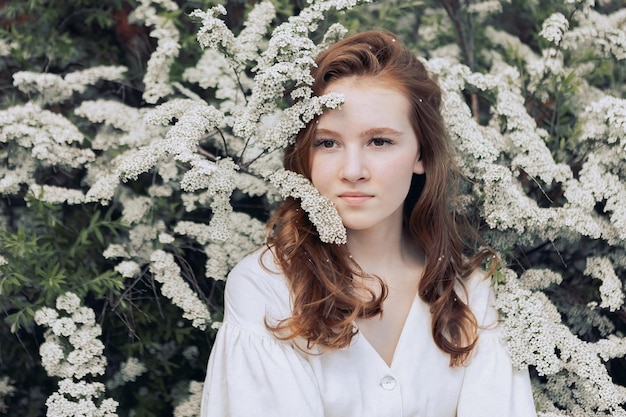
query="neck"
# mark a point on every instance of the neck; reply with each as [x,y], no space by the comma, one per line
[381,251]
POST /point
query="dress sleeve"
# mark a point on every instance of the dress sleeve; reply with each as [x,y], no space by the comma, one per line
[492,387]
[250,372]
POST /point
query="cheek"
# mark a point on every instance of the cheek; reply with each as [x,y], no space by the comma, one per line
[317,173]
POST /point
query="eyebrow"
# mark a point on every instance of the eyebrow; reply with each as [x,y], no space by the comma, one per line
[369,132]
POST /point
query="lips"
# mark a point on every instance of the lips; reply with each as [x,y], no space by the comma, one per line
[355,198]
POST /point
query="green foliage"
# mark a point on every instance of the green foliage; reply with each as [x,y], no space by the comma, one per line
[55,250]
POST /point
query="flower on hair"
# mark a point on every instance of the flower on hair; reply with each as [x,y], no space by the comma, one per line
[320,210]
[296,117]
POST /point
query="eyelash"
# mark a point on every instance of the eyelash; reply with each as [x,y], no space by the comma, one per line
[319,143]
[384,141]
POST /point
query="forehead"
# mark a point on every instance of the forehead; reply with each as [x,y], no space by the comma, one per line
[368,100]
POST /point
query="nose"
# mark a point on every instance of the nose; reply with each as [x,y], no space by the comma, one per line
[354,167]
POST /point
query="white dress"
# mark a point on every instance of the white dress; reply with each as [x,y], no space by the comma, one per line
[251,373]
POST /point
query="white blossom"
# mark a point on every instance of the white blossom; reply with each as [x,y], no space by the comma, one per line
[190,407]
[611,290]
[51,88]
[156,78]
[68,302]
[46,316]
[554,27]
[604,34]
[128,269]
[6,390]
[539,279]
[483,9]
[529,326]
[72,348]
[166,238]
[103,189]
[129,371]
[114,251]
[173,286]
[320,210]
[246,235]
[63,327]
[52,194]
[250,39]
[296,117]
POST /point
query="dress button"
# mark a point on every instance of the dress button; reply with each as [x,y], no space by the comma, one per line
[388,383]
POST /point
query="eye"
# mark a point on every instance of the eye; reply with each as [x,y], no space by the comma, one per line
[324,143]
[379,142]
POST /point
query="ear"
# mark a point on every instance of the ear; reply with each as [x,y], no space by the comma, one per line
[418,167]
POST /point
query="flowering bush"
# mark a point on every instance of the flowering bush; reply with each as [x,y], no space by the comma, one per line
[130,211]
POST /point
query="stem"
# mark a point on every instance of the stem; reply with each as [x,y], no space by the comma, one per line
[465,31]
[223,140]
[253,160]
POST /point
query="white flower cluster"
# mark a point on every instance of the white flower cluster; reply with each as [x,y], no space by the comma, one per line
[56,195]
[49,88]
[157,80]
[576,377]
[604,121]
[129,371]
[321,211]
[47,135]
[611,290]
[174,287]
[485,8]
[6,390]
[127,269]
[246,235]
[6,47]
[493,156]
[72,348]
[538,279]
[219,180]
[78,399]
[190,406]
[598,184]
[603,34]
[295,118]
[554,27]
[123,125]
[72,351]
[530,322]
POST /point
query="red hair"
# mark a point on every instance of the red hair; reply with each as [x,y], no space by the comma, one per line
[326,301]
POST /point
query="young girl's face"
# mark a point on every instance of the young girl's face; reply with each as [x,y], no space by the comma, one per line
[364,154]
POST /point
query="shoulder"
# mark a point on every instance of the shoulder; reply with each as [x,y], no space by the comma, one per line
[256,290]
[480,297]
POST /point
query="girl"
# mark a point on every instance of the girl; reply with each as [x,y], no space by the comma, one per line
[398,321]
